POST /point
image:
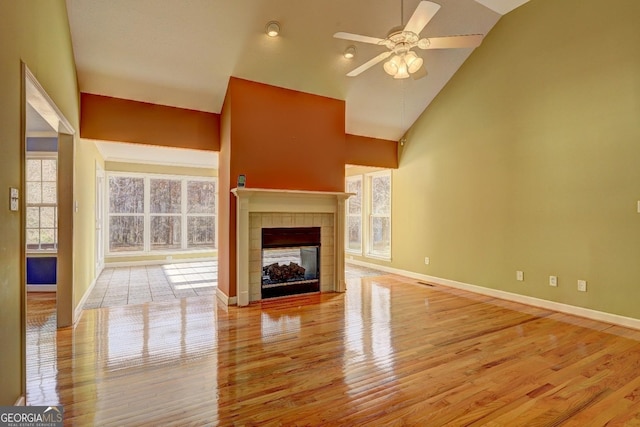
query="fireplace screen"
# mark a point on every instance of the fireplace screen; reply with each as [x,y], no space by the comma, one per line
[290,261]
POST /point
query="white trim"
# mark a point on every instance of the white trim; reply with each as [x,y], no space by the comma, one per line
[40,100]
[349,179]
[224,299]
[41,288]
[368,215]
[147,215]
[588,313]
[22,401]
[154,262]
[78,310]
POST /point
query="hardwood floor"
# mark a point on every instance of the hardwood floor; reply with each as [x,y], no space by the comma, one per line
[388,352]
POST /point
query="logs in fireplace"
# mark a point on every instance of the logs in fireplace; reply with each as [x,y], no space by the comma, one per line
[290,261]
[278,273]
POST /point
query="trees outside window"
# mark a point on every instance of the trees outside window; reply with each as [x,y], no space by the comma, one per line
[126,214]
[368,215]
[354,215]
[150,213]
[166,210]
[42,202]
[380,214]
[201,210]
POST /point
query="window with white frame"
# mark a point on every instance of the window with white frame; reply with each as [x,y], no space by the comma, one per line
[354,215]
[42,201]
[368,215]
[379,210]
[161,213]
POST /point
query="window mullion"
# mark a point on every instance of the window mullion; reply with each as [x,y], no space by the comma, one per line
[183,213]
[147,214]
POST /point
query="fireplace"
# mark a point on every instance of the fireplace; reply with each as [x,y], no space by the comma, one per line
[290,261]
[261,209]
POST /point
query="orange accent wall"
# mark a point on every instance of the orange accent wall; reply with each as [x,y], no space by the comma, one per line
[114,119]
[285,139]
[278,138]
[226,204]
[365,151]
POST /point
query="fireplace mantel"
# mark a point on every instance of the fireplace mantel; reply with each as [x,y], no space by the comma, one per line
[263,200]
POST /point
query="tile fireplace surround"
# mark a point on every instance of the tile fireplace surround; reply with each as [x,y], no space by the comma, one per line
[259,208]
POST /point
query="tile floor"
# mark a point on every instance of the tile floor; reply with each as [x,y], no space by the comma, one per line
[137,285]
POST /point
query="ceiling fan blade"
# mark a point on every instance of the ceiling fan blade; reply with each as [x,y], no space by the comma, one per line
[452,42]
[422,72]
[421,17]
[370,63]
[358,38]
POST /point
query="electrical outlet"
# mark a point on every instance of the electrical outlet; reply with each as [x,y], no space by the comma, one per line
[519,276]
[553,281]
[426,260]
[582,285]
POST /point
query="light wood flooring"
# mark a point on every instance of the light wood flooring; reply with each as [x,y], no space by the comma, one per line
[388,352]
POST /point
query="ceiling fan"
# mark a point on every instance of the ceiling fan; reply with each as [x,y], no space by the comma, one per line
[400,41]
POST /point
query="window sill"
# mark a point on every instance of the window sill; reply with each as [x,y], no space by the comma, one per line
[157,253]
[378,257]
[41,252]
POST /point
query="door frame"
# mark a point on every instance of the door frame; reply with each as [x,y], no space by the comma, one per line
[99,215]
[33,93]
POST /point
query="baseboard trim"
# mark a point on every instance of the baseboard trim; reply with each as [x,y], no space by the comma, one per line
[155,262]
[588,313]
[22,401]
[224,299]
[77,313]
[41,288]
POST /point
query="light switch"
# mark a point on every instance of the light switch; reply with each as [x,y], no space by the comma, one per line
[13,199]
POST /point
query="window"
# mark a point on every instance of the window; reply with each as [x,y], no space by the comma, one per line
[380,214]
[354,215]
[151,213]
[42,202]
[368,215]
[166,213]
[201,208]
[126,214]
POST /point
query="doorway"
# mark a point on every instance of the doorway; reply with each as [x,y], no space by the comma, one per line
[46,205]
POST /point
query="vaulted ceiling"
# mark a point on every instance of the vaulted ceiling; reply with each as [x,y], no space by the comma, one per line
[182,52]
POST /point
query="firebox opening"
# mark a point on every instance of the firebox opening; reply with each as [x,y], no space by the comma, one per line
[290,261]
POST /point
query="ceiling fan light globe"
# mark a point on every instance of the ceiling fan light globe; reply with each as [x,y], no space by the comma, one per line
[415,65]
[409,57]
[402,72]
[392,66]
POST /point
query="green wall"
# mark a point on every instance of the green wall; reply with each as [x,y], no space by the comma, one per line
[528,160]
[87,157]
[36,32]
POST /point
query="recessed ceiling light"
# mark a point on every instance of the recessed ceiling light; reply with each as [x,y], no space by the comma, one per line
[350,52]
[273,29]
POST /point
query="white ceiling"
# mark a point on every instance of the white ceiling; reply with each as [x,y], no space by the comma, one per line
[182,52]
